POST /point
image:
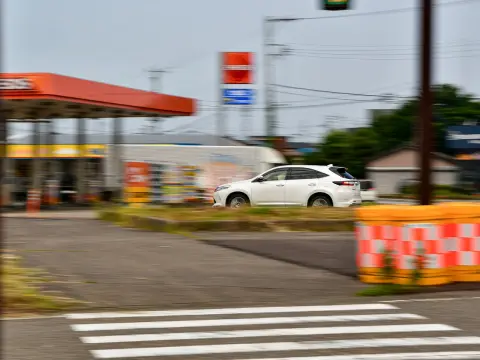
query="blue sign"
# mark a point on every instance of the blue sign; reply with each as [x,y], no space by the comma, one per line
[463,137]
[238,96]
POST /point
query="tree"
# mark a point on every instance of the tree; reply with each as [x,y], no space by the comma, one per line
[387,132]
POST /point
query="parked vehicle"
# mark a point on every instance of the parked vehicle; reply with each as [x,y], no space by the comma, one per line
[368,191]
[293,185]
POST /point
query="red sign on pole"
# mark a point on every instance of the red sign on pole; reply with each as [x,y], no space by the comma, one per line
[137,175]
[238,68]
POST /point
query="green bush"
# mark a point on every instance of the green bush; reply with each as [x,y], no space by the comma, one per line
[438,190]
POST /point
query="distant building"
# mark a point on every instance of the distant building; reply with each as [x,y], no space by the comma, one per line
[390,169]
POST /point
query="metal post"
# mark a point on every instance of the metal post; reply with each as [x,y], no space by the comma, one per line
[37,168]
[426,104]
[3,144]
[220,123]
[269,74]
[118,155]
[81,168]
[3,160]
[7,185]
[155,86]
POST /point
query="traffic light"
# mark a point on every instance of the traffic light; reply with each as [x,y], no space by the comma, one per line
[334,5]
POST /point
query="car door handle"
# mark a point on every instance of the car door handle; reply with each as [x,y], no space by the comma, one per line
[280,185]
[311,184]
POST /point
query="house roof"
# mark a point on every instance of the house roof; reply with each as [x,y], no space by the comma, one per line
[410,146]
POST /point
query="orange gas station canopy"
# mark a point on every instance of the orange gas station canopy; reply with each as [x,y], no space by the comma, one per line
[30,96]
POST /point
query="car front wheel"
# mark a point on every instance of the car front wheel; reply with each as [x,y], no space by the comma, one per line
[238,201]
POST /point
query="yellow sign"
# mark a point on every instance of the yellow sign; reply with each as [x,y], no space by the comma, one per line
[56,151]
[137,194]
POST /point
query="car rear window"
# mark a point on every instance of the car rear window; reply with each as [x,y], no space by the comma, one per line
[342,172]
[366,185]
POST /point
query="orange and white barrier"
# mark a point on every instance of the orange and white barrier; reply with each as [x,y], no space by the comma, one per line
[444,238]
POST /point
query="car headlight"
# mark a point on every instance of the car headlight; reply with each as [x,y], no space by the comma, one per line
[222,187]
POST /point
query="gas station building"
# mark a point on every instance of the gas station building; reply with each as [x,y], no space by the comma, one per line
[41,98]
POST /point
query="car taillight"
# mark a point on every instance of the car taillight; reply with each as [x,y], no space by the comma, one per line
[344,183]
[371,189]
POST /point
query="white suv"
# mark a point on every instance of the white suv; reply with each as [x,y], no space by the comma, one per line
[293,185]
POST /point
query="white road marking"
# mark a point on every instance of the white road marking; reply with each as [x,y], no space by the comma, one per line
[232,311]
[235,322]
[269,332]
[445,355]
[282,346]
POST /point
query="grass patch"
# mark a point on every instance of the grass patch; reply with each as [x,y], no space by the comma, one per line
[388,289]
[22,293]
[245,214]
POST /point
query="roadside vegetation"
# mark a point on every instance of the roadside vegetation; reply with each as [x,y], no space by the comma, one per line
[440,192]
[22,293]
[206,218]
[388,277]
[247,213]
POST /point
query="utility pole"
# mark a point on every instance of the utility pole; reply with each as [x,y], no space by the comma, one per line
[269,76]
[246,114]
[426,104]
[221,114]
[155,86]
[269,71]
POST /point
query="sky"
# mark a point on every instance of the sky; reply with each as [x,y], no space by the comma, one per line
[117,41]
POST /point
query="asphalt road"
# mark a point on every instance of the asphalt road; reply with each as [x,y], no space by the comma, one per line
[111,267]
[333,330]
[115,269]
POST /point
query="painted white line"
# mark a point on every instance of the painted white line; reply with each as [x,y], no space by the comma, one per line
[283,346]
[237,322]
[232,311]
[431,299]
[269,332]
[445,355]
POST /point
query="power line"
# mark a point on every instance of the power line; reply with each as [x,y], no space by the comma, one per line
[338,92]
[381,52]
[386,46]
[361,57]
[384,12]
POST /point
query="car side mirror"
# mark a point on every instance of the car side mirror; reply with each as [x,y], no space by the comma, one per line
[259,179]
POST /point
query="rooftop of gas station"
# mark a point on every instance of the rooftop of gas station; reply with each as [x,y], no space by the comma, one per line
[42,96]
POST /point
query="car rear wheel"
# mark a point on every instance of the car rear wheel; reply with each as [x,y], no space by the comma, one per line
[238,201]
[320,201]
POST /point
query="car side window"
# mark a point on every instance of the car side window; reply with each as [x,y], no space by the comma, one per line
[276,175]
[305,174]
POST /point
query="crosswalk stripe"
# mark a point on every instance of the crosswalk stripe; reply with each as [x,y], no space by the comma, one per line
[232,311]
[269,332]
[283,346]
[232,322]
[445,355]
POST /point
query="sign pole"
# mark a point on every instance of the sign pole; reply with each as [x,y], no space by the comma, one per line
[220,109]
